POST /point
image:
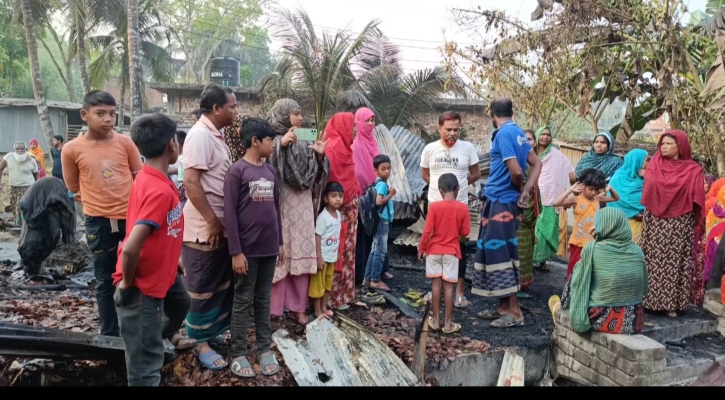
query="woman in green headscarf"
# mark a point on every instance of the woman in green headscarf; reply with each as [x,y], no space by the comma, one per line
[553,181]
[606,290]
[601,156]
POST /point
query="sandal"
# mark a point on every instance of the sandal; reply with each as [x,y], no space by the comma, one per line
[523,295]
[460,302]
[343,307]
[387,276]
[209,358]
[266,360]
[430,325]
[456,328]
[506,322]
[183,343]
[239,364]
[297,319]
[219,339]
[488,314]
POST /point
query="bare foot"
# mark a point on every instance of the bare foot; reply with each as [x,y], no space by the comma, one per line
[329,313]
[300,317]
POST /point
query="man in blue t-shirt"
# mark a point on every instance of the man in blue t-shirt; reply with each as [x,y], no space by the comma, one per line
[508,191]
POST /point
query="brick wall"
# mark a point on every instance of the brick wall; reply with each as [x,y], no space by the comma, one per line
[476,124]
[154,97]
[186,104]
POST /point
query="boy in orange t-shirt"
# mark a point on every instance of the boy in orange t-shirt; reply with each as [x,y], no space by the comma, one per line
[100,165]
[448,221]
[590,191]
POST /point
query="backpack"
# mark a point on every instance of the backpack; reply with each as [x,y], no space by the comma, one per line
[368,210]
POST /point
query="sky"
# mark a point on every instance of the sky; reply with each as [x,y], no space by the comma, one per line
[418,27]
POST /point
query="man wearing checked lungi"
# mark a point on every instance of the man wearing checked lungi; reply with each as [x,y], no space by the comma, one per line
[508,190]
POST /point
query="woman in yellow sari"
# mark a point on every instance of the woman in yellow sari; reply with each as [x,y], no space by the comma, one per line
[39,156]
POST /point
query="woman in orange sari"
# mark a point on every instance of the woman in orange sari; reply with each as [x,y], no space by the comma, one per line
[39,156]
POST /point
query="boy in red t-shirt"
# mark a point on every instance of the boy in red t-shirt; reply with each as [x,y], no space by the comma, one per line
[148,275]
[448,221]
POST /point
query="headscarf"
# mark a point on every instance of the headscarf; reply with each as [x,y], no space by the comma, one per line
[627,182]
[608,163]
[296,165]
[549,147]
[711,198]
[364,149]
[674,187]
[39,156]
[342,167]
[611,272]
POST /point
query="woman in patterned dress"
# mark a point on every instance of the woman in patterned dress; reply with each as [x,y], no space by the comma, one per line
[303,169]
[340,130]
[674,201]
[605,291]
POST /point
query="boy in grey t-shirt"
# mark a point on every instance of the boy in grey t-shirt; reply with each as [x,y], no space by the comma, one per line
[327,233]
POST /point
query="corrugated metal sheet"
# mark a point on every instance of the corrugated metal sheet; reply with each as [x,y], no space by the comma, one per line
[412,236]
[23,124]
[404,201]
[410,147]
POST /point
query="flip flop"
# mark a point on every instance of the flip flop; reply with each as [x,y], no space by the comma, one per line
[488,314]
[506,322]
[209,358]
[239,364]
[266,360]
[189,343]
[430,325]
[459,302]
[523,295]
[456,328]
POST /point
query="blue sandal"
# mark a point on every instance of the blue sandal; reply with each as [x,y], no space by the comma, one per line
[209,358]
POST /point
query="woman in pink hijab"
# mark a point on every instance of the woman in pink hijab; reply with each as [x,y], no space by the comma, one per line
[364,150]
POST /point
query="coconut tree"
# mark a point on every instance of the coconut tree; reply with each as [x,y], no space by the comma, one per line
[113,48]
[319,66]
[29,12]
[134,59]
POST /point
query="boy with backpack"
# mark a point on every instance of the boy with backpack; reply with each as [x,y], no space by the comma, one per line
[384,204]
[448,220]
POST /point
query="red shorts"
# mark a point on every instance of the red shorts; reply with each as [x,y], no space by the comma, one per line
[575,254]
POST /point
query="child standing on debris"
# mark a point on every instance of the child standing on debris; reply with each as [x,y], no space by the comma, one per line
[448,221]
[99,167]
[148,275]
[374,267]
[327,233]
[254,234]
[589,192]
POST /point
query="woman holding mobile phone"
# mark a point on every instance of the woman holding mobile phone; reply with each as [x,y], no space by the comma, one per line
[303,169]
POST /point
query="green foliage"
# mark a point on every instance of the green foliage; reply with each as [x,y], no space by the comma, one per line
[203,29]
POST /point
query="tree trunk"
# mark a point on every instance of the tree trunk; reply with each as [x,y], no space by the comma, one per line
[81,42]
[122,104]
[32,44]
[134,60]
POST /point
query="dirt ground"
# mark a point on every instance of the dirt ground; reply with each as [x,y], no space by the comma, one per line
[75,310]
[538,322]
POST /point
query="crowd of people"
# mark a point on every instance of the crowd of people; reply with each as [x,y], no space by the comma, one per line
[239,217]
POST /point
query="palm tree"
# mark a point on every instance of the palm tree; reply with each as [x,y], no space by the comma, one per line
[156,61]
[395,97]
[134,59]
[27,10]
[319,68]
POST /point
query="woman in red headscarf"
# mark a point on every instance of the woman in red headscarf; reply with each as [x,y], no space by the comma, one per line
[340,133]
[674,200]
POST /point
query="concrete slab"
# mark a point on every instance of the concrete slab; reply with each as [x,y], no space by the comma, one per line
[691,322]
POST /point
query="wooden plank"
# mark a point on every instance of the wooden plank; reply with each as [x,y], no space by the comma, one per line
[421,339]
[512,370]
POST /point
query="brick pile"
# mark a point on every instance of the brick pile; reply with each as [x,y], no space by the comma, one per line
[713,304]
[601,359]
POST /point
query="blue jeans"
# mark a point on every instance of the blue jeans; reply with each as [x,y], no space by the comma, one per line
[374,267]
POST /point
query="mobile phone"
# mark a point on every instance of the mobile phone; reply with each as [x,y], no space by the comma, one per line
[306,135]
